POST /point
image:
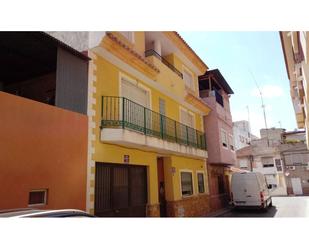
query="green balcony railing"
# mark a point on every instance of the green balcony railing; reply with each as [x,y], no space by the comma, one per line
[120,112]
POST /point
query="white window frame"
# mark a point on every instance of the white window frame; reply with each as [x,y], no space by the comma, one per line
[273,160]
[45,197]
[230,136]
[201,172]
[193,184]
[188,112]
[244,160]
[226,136]
[187,70]
[137,84]
[130,38]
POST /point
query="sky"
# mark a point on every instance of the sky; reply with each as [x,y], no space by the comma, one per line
[243,58]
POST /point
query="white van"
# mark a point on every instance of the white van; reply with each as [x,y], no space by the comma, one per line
[249,189]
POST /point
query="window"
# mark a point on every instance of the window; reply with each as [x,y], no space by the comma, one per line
[241,138]
[278,164]
[187,118]
[243,163]
[224,138]
[38,197]
[129,35]
[162,106]
[221,188]
[186,183]
[267,162]
[200,182]
[188,78]
[231,142]
[134,92]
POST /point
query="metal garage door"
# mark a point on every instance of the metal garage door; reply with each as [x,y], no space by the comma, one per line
[120,190]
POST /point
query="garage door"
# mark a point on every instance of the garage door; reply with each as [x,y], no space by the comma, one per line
[296,185]
[120,190]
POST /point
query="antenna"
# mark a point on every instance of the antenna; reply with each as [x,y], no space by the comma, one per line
[263,106]
[280,124]
[249,123]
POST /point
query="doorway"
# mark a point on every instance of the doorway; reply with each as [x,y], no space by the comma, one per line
[120,190]
[296,185]
[161,186]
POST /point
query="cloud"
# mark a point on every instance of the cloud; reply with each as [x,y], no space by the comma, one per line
[268,91]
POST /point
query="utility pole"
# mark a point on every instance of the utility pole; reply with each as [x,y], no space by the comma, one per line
[280,124]
[263,107]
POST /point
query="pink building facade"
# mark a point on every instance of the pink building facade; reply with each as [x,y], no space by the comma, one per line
[218,125]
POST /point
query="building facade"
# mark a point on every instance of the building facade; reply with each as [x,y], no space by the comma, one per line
[242,134]
[263,155]
[215,92]
[295,157]
[295,46]
[44,124]
[147,149]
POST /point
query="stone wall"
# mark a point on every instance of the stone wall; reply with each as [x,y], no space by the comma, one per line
[153,210]
[218,202]
[196,206]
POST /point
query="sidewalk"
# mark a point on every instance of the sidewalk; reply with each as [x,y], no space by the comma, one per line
[219,212]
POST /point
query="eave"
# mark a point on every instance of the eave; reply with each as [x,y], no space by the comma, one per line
[197,102]
[129,55]
[182,45]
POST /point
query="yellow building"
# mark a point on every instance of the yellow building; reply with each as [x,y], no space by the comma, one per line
[147,149]
[295,46]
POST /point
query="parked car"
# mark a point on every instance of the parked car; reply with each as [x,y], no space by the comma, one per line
[249,190]
[36,213]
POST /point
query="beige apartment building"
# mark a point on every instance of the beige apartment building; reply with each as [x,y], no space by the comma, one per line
[295,46]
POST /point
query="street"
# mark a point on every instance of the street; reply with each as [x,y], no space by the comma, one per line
[297,206]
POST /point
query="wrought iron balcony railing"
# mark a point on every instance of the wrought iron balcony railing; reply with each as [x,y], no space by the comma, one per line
[151,52]
[120,112]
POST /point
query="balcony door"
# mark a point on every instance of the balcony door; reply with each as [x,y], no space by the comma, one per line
[187,119]
[136,99]
[134,93]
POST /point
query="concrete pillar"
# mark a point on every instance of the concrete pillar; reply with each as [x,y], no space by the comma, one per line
[157,46]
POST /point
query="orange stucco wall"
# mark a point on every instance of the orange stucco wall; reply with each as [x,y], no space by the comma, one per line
[41,147]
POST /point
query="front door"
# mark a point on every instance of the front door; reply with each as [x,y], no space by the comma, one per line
[120,190]
[296,185]
[161,186]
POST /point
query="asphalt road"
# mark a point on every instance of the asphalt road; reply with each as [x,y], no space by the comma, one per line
[296,206]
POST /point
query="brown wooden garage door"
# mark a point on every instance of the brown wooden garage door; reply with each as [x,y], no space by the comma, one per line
[120,190]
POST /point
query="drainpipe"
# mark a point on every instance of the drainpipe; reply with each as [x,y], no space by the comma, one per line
[157,46]
[251,163]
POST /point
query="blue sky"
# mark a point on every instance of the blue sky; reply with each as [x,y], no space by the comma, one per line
[235,54]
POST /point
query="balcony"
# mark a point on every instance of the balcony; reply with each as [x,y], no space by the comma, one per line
[152,52]
[126,122]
